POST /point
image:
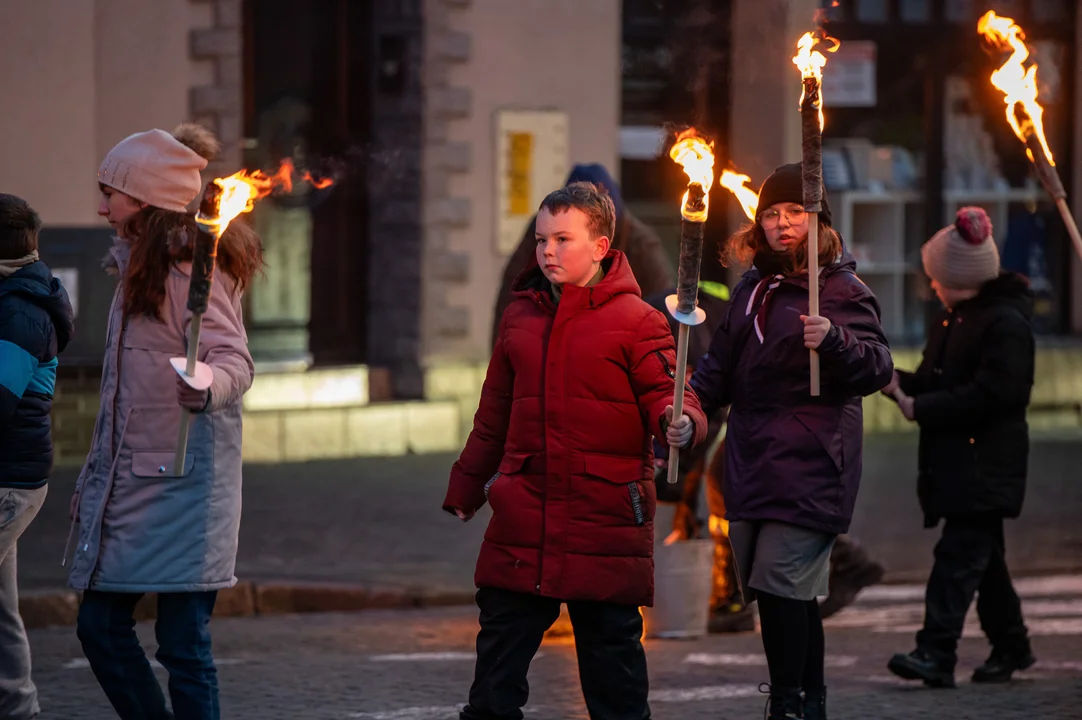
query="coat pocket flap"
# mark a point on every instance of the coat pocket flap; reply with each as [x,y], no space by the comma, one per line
[825,427]
[158,464]
[513,463]
[615,469]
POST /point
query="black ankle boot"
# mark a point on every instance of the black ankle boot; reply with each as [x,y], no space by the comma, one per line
[815,704]
[786,703]
[1000,666]
[922,665]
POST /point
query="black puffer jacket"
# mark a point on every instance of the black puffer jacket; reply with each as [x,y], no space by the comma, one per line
[970,397]
[35,324]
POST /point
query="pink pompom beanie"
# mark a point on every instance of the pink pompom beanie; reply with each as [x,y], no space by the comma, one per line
[156,168]
[962,256]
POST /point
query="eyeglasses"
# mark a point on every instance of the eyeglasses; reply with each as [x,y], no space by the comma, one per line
[769,218]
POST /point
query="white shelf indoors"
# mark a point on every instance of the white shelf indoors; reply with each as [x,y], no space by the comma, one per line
[884,231]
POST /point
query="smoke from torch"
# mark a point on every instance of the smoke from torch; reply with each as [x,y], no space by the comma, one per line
[696,156]
[1018,83]
[223,200]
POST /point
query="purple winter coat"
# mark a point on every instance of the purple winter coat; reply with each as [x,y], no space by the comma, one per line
[791,457]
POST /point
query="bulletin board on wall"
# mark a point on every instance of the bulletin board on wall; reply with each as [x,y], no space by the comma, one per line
[533,158]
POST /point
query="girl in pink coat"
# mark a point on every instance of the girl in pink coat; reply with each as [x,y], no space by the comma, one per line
[143,528]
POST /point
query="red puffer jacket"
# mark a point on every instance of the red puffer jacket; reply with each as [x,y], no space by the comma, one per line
[561,443]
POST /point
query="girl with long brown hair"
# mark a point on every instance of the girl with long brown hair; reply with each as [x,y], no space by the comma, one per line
[142,527]
[792,461]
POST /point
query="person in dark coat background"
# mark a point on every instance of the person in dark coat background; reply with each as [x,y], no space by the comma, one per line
[638,242]
[792,461]
[35,324]
[969,396]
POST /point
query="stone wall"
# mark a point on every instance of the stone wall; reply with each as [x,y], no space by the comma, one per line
[218,104]
[395,195]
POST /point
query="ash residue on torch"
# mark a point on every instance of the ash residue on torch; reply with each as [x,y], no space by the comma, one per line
[212,197]
[811,92]
[691,251]
[696,203]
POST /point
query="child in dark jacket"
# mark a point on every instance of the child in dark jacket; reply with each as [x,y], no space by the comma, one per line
[792,461]
[969,397]
[581,376]
[35,324]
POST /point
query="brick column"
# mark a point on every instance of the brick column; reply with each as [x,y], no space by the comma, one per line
[443,158]
[219,106]
[395,197]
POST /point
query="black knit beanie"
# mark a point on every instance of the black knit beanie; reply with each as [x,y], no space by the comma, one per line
[786,185]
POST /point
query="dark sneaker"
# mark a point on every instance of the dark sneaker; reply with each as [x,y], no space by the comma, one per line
[999,666]
[846,585]
[919,665]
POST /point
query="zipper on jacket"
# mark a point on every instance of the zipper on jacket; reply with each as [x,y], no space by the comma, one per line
[488,484]
[636,503]
[665,364]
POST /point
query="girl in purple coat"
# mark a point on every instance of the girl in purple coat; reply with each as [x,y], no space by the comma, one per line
[793,461]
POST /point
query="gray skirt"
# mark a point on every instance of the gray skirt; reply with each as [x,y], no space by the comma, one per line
[780,559]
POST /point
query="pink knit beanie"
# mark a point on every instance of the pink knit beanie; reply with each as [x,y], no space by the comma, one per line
[963,256]
[156,168]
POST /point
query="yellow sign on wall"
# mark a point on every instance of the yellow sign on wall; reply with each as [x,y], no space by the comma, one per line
[520,152]
[532,160]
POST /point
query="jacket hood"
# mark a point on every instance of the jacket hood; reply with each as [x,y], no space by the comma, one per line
[1010,289]
[35,284]
[618,280]
[598,175]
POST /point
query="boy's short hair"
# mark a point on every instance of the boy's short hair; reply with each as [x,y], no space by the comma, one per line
[591,199]
[19,227]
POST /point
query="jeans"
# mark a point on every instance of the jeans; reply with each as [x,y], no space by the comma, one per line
[18,696]
[106,629]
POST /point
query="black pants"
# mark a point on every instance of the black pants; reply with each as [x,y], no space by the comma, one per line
[612,664]
[969,559]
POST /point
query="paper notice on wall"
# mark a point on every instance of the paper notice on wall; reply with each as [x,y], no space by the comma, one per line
[69,278]
[849,76]
[532,160]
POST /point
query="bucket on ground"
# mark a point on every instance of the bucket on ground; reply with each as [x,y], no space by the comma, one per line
[682,582]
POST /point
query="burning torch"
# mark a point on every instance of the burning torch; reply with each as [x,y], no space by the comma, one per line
[811,62]
[696,156]
[1019,87]
[223,200]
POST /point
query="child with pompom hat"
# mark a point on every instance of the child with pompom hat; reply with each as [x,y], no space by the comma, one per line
[969,397]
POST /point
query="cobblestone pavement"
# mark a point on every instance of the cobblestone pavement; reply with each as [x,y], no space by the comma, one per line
[417,665]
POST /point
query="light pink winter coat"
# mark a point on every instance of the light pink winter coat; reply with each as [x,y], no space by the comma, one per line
[142,528]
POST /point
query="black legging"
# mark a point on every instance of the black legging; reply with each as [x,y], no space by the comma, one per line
[793,639]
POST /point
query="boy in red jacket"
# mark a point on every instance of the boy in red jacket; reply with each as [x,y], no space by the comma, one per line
[580,378]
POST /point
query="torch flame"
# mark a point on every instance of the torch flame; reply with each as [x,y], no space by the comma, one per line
[811,62]
[748,198]
[241,190]
[696,156]
[1017,82]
